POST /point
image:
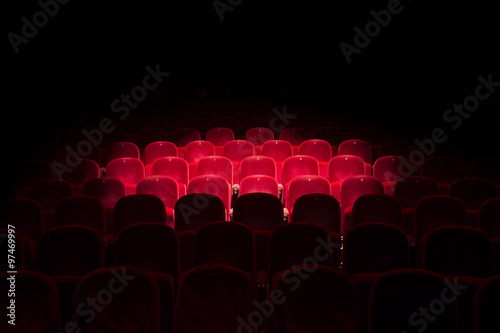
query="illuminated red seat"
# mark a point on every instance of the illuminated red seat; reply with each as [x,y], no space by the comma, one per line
[236,151]
[320,150]
[341,167]
[129,170]
[174,167]
[195,151]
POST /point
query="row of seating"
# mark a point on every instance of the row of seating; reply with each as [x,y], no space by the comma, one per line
[222,298]
[69,253]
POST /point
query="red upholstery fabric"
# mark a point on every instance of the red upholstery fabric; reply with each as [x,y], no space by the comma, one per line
[120,150]
[212,184]
[138,208]
[257,165]
[259,184]
[320,209]
[259,211]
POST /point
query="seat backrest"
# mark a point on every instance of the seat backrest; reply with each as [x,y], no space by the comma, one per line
[130,296]
[129,170]
[196,209]
[216,295]
[299,165]
[321,150]
[138,208]
[294,135]
[334,307]
[120,150]
[227,243]
[70,250]
[442,169]
[318,208]
[387,168]
[278,150]
[23,213]
[50,192]
[457,250]
[219,135]
[341,167]
[152,247]
[158,149]
[411,189]
[489,217]
[85,170]
[301,185]
[358,148]
[108,190]
[355,186]
[472,191]
[196,150]
[174,167]
[258,135]
[81,210]
[35,293]
[259,211]
[182,136]
[237,150]
[437,211]
[215,165]
[163,187]
[374,248]
[259,184]
[257,165]
[396,296]
[381,208]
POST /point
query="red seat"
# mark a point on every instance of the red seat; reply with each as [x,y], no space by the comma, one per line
[487,306]
[213,184]
[351,189]
[138,208]
[298,165]
[174,167]
[259,184]
[219,297]
[320,150]
[226,243]
[317,208]
[342,167]
[436,211]
[473,192]
[258,135]
[320,299]
[259,211]
[215,165]
[81,210]
[163,187]
[457,250]
[374,248]
[443,170]
[302,185]
[219,136]
[295,136]
[196,209]
[302,243]
[129,170]
[397,295]
[409,191]
[236,151]
[388,170]
[108,191]
[278,150]
[195,151]
[358,148]
[84,171]
[182,136]
[257,165]
[156,150]
[381,208]
[129,295]
[120,150]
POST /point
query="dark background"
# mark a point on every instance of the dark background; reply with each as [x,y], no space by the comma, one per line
[92,51]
